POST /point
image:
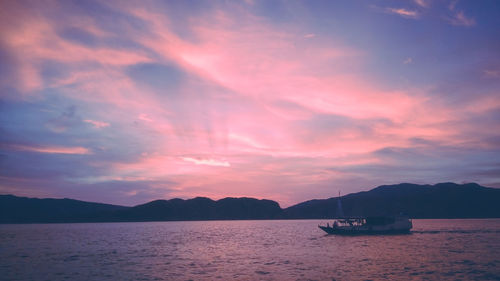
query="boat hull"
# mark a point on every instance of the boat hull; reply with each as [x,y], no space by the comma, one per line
[363,231]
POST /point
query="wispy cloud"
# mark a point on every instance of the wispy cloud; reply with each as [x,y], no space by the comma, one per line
[50,149]
[460,19]
[67,119]
[403,12]
[422,3]
[145,117]
[208,162]
[491,73]
[408,61]
[97,124]
[452,5]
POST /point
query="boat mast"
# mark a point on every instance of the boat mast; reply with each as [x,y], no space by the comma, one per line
[339,213]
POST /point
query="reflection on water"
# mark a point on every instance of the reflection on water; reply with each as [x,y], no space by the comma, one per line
[247,250]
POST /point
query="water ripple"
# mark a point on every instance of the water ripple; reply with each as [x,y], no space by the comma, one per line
[247,250]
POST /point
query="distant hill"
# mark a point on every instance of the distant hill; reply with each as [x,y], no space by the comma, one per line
[443,200]
[201,208]
[15,209]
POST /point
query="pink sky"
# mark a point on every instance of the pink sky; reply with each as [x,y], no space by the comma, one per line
[125,103]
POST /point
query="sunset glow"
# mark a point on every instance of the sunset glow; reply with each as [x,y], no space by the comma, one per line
[125,102]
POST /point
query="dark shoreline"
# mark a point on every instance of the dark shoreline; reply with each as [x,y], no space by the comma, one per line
[92,222]
[440,201]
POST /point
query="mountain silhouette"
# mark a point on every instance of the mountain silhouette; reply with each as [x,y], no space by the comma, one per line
[443,200]
[15,209]
[201,208]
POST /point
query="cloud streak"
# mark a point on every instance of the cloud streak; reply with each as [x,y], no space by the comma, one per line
[97,124]
[208,162]
[403,12]
[49,149]
[422,3]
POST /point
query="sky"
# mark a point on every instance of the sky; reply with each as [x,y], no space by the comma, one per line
[125,102]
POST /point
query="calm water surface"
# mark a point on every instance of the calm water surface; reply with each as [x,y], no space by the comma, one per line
[247,250]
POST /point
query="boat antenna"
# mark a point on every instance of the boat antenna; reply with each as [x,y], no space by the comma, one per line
[340,212]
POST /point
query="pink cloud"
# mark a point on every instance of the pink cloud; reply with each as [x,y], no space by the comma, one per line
[266,65]
[208,162]
[491,102]
[262,65]
[51,149]
[39,40]
[34,39]
[145,117]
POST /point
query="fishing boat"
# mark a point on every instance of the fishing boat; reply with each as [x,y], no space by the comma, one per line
[343,225]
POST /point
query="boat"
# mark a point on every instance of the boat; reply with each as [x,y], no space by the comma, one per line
[343,225]
[369,225]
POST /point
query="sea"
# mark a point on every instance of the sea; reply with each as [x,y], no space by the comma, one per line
[248,250]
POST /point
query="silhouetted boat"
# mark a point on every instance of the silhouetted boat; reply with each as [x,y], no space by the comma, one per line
[367,225]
